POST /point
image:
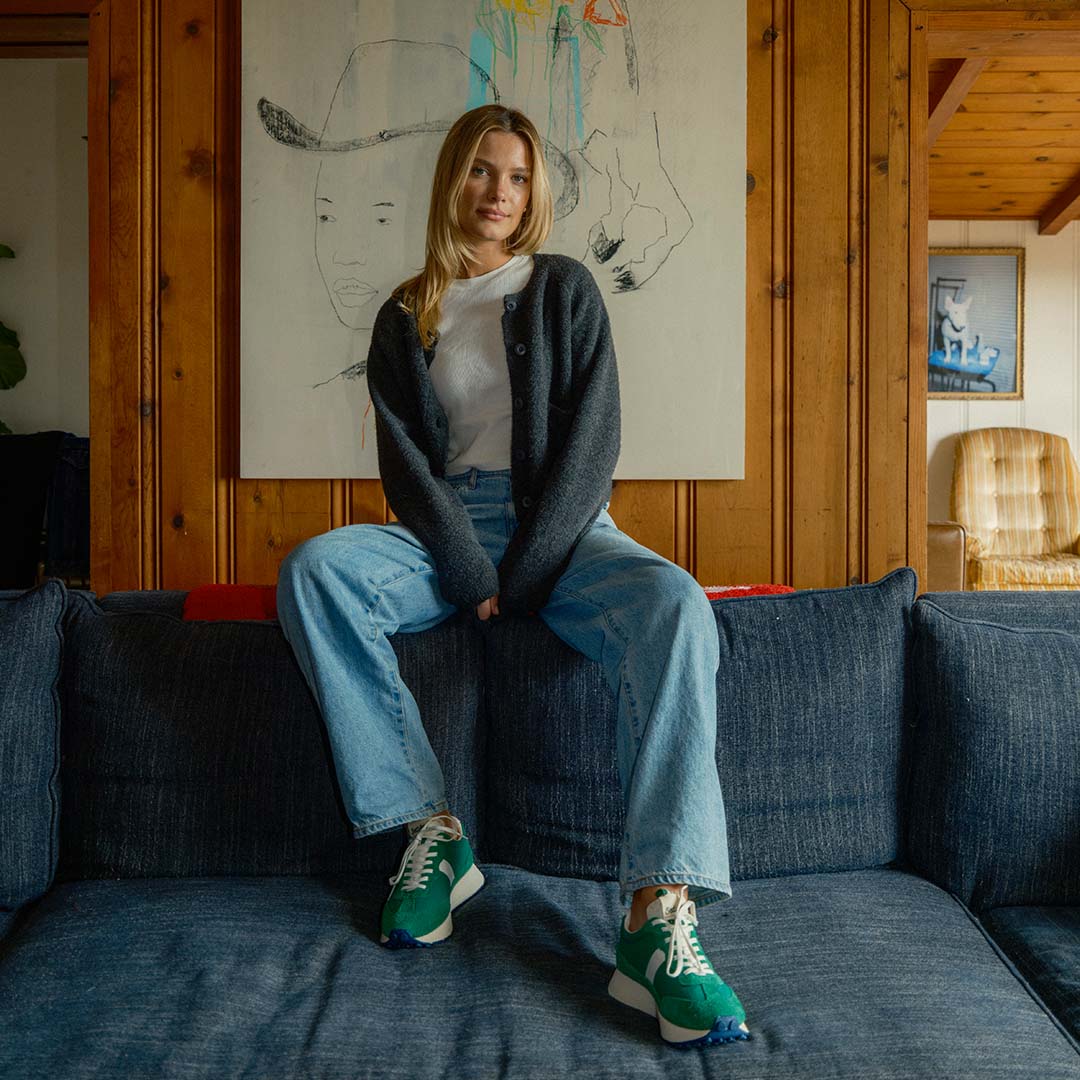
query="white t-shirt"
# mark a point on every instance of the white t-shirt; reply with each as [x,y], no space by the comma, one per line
[469,373]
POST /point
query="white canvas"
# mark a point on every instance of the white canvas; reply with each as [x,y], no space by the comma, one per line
[344,106]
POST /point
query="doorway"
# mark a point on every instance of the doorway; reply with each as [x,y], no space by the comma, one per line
[44,295]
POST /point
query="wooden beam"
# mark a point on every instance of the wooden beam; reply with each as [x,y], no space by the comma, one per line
[47,7]
[1062,210]
[954,91]
[55,30]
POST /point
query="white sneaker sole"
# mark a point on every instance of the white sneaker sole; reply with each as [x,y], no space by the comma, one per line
[470,883]
[625,990]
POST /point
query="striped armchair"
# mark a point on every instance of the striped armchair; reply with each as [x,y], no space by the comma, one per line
[1017,493]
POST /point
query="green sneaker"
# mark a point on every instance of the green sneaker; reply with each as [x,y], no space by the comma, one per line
[437,874]
[662,970]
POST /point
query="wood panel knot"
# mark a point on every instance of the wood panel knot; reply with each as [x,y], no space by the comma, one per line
[882,166]
[781,290]
[751,183]
[770,35]
[146,408]
[164,281]
[851,256]
[178,521]
[192,28]
[200,162]
[178,373]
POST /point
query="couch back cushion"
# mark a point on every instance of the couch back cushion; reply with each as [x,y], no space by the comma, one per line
[196,748]
[30,648]
[810,715]
[995,784]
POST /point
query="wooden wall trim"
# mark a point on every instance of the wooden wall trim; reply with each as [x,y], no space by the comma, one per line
[918,314]
[99,297]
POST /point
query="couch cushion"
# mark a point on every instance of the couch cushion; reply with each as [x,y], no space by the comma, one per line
[30,648]
[810,714]
[867,973]
[196,748]
[995,795]
[163,601]
[1044,943]
[1042,610]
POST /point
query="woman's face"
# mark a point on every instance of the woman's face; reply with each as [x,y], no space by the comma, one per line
[497,189]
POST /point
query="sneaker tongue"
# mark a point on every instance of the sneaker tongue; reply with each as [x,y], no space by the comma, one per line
[664,905]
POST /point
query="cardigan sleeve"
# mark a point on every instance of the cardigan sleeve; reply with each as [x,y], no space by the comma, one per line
[423,502]
[578,481]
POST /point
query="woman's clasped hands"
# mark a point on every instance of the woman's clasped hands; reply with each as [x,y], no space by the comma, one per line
[486,608]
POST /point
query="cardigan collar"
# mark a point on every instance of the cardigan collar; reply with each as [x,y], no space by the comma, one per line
[541,265]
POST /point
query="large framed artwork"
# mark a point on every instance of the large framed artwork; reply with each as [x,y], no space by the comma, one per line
[975,337]
[642,108]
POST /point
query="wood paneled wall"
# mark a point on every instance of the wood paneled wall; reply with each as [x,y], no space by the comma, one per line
[835,381]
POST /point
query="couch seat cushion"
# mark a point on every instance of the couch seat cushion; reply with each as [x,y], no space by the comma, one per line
[1044,942]
[854,974]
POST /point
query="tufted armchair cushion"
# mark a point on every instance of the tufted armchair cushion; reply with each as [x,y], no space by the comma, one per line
[1017,493]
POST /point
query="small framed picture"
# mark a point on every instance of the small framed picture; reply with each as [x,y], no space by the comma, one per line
[975,340]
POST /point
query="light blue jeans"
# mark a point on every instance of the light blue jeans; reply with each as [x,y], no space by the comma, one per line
[646,620]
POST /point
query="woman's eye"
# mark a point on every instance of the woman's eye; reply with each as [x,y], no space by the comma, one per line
[327,217]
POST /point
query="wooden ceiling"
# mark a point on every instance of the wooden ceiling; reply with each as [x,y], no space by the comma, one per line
[1004,126]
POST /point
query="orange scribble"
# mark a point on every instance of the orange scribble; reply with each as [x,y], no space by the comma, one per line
[618,15]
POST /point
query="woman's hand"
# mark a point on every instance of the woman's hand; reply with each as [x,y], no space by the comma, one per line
[487,608]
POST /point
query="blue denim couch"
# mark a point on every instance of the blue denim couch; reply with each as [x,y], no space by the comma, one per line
[180,895]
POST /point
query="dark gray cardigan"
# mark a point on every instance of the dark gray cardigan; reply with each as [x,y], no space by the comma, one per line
[564,445]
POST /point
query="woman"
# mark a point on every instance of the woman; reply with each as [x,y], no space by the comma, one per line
[495,389]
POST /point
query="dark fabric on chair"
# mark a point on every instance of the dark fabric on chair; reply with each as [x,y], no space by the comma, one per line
[1044,943]
[196,748]
[67,513]
[281,977]
[26,469]
[808,737]
[995,797]
[30,648]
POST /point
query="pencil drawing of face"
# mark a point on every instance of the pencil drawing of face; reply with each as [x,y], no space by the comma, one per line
[370,206]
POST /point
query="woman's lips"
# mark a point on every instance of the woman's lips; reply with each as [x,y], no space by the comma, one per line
[492,214]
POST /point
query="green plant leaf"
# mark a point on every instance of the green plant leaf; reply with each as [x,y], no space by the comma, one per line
[4,429]
[6,253]
[8,336]
[12,367]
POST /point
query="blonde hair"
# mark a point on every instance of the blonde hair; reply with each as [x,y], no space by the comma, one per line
[448,248]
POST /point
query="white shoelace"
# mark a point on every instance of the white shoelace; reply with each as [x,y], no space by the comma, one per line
[414,863]
[684,952]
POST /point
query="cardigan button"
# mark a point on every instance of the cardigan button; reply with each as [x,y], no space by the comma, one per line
[526,500]
[520,455]
[511,305]
[518,402]
[520,349]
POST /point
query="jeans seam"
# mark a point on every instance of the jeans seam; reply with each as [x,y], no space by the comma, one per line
[631,701]
[403,725]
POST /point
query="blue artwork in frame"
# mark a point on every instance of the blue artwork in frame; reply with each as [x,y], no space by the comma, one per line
[975,332]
